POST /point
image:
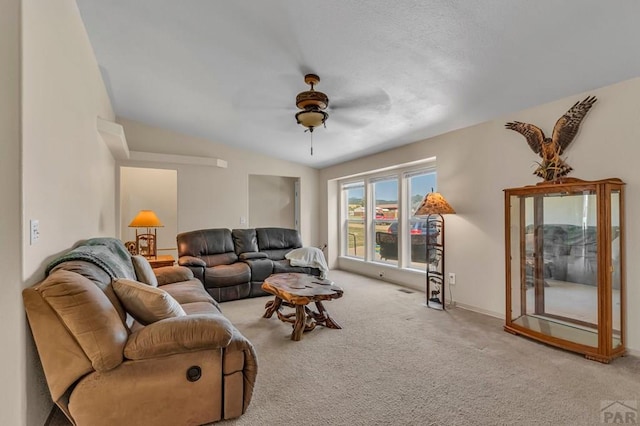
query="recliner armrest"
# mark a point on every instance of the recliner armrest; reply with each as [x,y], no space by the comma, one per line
[191,261]
[179,334]
[253,255]
[172,274]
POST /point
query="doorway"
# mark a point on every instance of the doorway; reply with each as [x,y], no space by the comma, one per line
[150,189]
[273,201]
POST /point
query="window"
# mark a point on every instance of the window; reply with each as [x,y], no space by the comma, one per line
[385,199]
[353,241]
[418,185]
[378,216]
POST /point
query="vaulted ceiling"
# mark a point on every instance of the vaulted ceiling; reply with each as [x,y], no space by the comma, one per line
[395,71]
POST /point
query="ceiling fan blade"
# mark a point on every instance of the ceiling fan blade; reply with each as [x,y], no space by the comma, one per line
[360,111]
[377,100]
[352,121]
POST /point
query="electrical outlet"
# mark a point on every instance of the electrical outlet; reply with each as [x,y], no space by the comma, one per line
[34,233]
[452,278]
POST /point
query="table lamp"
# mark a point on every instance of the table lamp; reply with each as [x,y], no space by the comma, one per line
[146,242]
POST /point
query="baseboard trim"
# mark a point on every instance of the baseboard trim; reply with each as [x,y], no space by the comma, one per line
[478,310]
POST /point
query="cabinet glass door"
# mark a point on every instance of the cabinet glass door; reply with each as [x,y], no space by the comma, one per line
[555,238]
[616,279]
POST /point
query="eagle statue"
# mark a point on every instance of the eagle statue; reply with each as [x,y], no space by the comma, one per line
[552,167]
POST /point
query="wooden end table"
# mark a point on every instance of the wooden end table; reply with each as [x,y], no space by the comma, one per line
[161,260]
[297,291]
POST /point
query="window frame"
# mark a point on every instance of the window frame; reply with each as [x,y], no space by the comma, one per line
[403,174]
[344,235]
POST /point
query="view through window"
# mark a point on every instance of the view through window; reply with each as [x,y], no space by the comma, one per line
[394,200]
[419,185]
[353,241]
[386,206]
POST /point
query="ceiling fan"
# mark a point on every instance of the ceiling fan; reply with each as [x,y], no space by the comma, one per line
[357,111]
[312,103]
[354,103]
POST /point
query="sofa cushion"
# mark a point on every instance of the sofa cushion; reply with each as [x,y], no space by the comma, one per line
[276,242]
[144,271]
[205,242]
[189,291]
[227,275]
[88,315]
[195,308]
[98,276]
[278,238]
[145,303]
[244,240]
[220,259]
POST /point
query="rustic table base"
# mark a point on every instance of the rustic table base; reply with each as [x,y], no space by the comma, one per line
[297,291]
[303,319]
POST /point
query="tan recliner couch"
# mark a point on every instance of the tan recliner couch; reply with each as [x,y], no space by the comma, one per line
[104,368]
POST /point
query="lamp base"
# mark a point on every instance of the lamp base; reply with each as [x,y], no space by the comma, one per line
[146,244]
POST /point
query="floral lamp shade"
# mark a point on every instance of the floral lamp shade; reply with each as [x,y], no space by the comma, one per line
[434,203]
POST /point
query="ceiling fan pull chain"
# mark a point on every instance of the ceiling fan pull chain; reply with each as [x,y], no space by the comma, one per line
[312,144]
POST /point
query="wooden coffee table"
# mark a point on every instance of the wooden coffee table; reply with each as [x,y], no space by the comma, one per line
[297,291]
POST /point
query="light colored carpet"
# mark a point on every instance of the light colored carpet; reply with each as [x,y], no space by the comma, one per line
[396,362]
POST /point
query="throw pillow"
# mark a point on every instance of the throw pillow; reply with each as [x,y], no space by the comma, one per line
[145,303]
[144,271]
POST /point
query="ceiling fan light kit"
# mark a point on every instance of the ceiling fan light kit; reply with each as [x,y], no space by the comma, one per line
[311,118]
[312,103]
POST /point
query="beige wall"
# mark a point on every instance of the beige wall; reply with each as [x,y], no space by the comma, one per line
[68,179]
[12,332]
[271,201]
[212,197]
[68,174]
[474,166]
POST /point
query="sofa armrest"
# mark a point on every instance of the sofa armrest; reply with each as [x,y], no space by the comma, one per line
[191,261]
[178,335]
[253,255]
[240,356]
[172,274]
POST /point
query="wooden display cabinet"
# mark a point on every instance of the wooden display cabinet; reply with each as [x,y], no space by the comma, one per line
[564,261]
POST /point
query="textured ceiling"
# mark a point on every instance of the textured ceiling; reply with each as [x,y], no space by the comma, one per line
[395,71]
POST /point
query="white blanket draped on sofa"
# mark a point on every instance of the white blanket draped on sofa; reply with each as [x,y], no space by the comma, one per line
[309,257]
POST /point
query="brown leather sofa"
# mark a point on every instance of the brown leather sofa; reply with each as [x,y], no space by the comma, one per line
[233,264]
[103,367]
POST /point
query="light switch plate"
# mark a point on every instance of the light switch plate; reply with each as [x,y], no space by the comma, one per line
[34,233]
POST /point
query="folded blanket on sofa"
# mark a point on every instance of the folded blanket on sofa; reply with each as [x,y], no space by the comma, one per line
[310,257]
[109,254]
